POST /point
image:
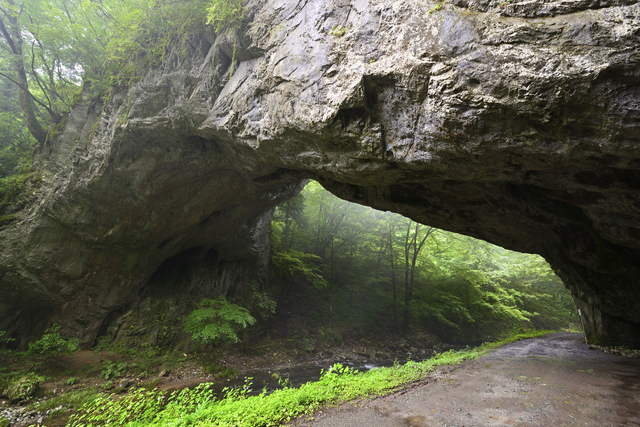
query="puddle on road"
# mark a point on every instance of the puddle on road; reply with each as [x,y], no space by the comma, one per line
[415,421]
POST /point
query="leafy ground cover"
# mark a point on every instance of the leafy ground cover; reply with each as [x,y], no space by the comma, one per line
[198,407]
[53,384]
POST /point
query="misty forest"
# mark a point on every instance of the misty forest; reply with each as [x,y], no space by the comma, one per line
[340,263]
[178,234]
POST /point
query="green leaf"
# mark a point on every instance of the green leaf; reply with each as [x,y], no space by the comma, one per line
[217,320]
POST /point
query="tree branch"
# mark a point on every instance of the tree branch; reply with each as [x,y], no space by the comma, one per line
[7,36]
[66,11]
[36,100]
[2,9]
[35,75]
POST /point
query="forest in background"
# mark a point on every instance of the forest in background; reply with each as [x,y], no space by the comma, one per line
[340,263]
[49,49]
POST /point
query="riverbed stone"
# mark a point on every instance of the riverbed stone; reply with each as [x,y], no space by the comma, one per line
[466,116]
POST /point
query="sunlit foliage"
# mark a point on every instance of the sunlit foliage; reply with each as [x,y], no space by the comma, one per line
[236,407]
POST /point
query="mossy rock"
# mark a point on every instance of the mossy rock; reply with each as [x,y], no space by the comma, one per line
[5,220]
[23,389]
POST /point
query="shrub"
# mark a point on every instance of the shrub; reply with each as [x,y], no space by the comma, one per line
[223,14]
[52,343]
[3,338]
[217,320]
[113,369]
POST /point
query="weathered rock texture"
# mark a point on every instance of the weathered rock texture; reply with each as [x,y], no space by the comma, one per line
[515,122]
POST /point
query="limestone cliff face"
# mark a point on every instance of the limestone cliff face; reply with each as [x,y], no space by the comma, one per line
[515,122]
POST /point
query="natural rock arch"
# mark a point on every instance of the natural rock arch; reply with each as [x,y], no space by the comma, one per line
[521,132]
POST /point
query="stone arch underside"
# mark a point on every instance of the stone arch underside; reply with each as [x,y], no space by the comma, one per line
[522,132]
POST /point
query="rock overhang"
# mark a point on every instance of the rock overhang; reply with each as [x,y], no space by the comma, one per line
[519,131]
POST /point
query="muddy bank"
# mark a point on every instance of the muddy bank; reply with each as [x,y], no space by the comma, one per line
[550,381]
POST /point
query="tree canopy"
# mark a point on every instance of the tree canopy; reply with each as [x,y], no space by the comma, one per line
[49,48]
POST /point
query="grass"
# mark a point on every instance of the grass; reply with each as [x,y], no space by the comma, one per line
[72,399]
[236,408]
[151,384]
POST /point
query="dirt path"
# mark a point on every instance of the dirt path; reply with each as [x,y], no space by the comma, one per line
[550,381]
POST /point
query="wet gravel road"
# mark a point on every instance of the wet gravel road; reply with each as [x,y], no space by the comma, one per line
[549,381]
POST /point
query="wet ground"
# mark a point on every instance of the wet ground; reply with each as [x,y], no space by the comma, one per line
[549,381]
[260,380]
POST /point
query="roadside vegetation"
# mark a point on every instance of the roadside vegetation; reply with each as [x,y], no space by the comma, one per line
[199,407]
[53,378]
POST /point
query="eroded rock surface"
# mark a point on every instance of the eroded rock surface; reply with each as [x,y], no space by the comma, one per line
[521,130]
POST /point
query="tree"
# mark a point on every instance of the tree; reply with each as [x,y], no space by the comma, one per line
[15,146]
[48,47]
[291,215]
[292,266]
[371,263]
[413,245]
[10,29]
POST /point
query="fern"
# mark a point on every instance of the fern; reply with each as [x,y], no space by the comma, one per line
[53,343]
[217,320]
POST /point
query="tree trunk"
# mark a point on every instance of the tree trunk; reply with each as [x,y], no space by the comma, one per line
[410,269]
[293,232]
[407,292]
[393,281]
[331,283]
[13,37]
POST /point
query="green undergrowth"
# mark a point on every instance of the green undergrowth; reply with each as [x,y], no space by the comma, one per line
[236,407]
[72,399]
